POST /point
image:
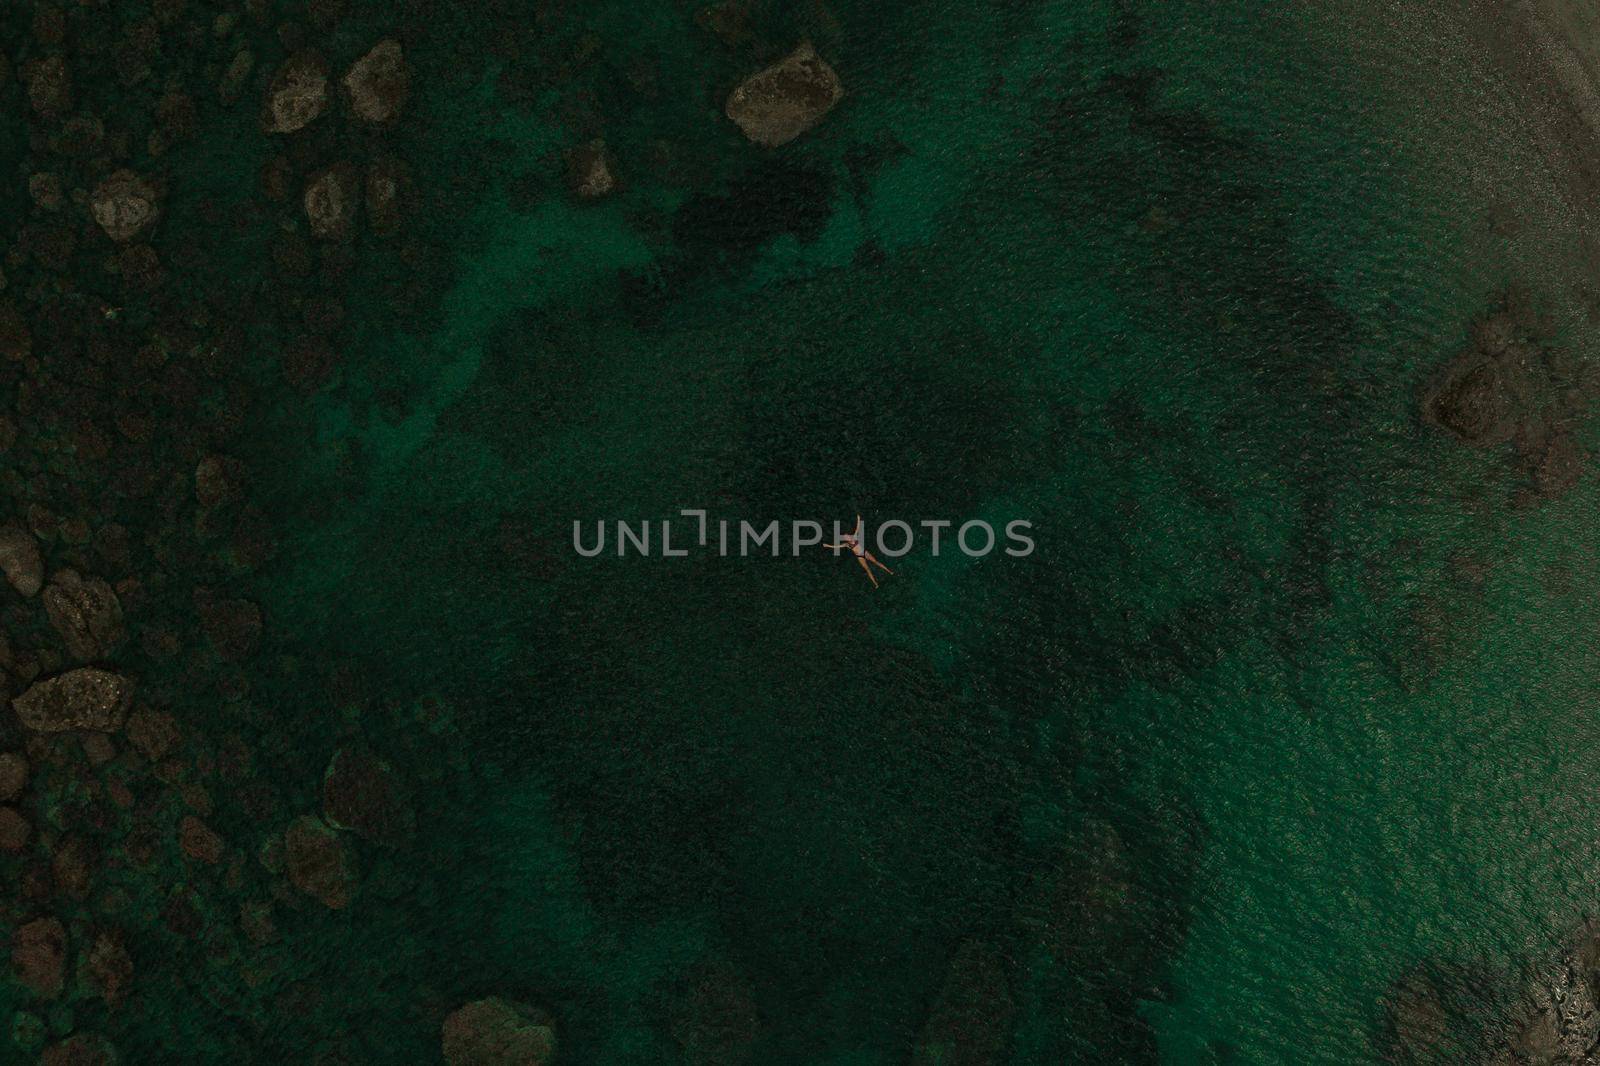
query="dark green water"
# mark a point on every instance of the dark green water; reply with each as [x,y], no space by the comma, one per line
[1293,698]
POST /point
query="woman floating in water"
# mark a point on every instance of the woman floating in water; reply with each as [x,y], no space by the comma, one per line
[856,543]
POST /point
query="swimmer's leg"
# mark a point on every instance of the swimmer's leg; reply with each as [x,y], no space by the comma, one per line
[873,559]
[868,569]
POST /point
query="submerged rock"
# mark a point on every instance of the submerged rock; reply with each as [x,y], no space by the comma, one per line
[388,190]
[39,957]
[45,188]
[20,559]
[361,792]
[298,94]
[778,104]
[319,862]
[589,170]
[1478,401]
[141,268]
[85,698]
[379,83]
[255,921]
[15,832]
[233,626]
[106,968]
[49,86]
[330,200]
[85,613]
[231,87]
[1417,1019]
[80,136]
[1548,1014]
[199,841]
[729,20]
[13,776]
[124,205]
[1510,386]
[16,339]
[1558,462]
[494,1032]
[72,864]
[28,1030]
[216,480]
[84,1049]
[1559,1021]
[152,733]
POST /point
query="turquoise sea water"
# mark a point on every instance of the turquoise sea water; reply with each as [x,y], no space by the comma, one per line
[1164,283]
[1292,701]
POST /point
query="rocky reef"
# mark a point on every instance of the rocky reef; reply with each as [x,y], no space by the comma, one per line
[1548,1015]
[152,852]
[1511,386]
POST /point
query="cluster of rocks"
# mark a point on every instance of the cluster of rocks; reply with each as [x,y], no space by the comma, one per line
[130,634]
[1510,387]
[376,87]
[374,90]
[86,704]
[131,637]
[1547,1016]
[1557,1021]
